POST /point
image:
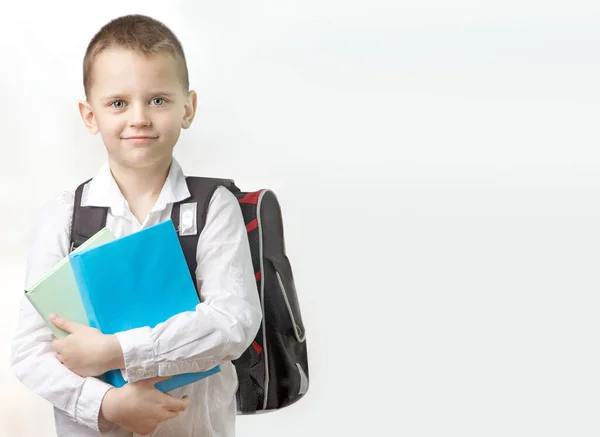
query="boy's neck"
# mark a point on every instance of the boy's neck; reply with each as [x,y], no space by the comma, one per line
[141,186]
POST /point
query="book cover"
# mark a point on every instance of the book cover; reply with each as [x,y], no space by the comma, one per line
[57,291]
[139,280]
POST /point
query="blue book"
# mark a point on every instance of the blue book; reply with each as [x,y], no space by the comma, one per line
[138,280]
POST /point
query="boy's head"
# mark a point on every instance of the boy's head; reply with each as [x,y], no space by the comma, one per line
[137,89]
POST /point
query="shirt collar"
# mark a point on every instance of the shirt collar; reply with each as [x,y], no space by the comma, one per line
[103,190]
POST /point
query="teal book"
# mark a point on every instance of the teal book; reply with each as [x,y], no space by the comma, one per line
[57,291]
[138,280]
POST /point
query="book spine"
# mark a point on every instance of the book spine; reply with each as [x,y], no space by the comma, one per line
[112,377]
[78,266]
[57,332]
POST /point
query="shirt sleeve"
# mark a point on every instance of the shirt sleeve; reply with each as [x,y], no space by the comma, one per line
[34,361]
[228,316]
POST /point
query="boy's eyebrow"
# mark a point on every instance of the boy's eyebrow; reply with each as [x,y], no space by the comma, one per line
[112,97]
[122,96]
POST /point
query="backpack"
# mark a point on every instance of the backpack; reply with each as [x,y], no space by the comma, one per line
[273,372]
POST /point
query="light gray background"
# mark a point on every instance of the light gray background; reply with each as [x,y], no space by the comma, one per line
[438,167]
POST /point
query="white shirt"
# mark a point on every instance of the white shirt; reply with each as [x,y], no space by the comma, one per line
[222,327]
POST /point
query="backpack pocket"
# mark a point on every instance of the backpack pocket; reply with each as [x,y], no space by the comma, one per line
[287,288]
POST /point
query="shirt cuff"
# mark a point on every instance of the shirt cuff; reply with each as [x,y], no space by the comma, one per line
[90,399]
[188,366]
[137,354]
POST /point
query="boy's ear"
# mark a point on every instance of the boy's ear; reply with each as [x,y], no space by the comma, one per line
[190,109]
[87,115]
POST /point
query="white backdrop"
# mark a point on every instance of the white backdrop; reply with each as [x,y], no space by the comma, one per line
[439,172]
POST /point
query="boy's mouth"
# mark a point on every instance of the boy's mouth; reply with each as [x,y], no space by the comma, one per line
[139,138]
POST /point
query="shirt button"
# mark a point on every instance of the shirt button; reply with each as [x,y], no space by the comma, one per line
[141,372]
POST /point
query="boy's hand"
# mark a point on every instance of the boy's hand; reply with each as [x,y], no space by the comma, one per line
[139,407]
[86,351]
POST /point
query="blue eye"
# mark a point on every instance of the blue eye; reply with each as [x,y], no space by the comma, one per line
[158,101]
[118,104]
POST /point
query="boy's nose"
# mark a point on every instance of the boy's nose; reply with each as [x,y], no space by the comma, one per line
[139,116]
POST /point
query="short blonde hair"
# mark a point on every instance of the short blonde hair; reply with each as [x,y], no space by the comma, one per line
[139,33]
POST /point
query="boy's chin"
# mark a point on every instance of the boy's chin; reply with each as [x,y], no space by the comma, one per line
[141,161]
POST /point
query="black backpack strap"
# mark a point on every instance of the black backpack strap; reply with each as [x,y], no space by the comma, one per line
[86,221]
[201,191]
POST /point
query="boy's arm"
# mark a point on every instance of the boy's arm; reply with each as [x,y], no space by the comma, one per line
[228,317]
[33,359]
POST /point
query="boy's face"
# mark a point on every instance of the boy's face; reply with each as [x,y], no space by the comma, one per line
[138,105]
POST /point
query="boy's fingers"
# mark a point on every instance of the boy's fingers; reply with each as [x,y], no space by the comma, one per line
[64,324]
[178,405]
[57,320]
[172,414]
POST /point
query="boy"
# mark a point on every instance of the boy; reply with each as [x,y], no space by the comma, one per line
[137,98]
